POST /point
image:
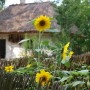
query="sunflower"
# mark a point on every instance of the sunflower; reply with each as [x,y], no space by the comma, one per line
[64,56]
[66,48]
[42,23]
[43,77]
[66,52]
[9,68]
[70,54]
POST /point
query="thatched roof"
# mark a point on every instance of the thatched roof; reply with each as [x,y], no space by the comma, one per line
[15,18]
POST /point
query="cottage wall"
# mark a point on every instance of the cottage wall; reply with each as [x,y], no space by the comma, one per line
[14,50]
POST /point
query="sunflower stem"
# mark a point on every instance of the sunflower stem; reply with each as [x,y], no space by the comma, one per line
[39,48]
[39,40]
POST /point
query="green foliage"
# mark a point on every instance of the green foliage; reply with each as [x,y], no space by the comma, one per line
[76,12]
[26,44]
[2,2]
[24,77]
[55,60]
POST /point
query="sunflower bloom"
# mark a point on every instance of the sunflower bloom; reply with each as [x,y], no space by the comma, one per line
[70,54]
[42,23]
[9,68]
[43,77]
[66,48]
[66,52]
[64,56]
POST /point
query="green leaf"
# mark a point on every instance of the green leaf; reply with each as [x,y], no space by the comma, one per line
[20,70]
[74,73]
[46,43]
[63,61]
[32,21]
[67,64]
[66,60]
[77,83]
[84,72]
[65,72]
[64,78]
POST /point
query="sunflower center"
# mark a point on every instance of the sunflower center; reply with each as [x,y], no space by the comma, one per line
[42,23]
[43,79]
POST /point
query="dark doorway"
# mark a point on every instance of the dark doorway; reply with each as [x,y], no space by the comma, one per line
[2,48]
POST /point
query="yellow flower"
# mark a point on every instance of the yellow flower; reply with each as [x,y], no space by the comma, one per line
[29,65]
[43,77]
[42,23]
[70,54]
[9,68]
[66,48]
[64,56]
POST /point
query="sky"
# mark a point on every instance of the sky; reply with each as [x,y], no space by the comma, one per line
[9,2]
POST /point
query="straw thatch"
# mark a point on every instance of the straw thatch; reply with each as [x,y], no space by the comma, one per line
[15,18]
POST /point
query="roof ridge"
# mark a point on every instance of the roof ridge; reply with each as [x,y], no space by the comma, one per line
[29,3]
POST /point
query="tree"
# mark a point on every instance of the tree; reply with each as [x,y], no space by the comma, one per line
[76,12]
[2,2]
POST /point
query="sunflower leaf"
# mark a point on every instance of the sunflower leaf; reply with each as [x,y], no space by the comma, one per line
[77,83]
[64,78]
[84,72]
[32,21]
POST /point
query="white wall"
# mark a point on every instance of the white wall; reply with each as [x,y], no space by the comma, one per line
[13,50]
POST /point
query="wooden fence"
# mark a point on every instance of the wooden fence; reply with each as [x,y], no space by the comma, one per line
[16,82]
[17,62]
[12,81]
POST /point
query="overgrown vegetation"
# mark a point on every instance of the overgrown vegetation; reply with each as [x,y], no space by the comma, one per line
[50,66]
[75,13]
[2,2]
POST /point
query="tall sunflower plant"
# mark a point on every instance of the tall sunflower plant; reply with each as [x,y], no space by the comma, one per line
[43,23]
